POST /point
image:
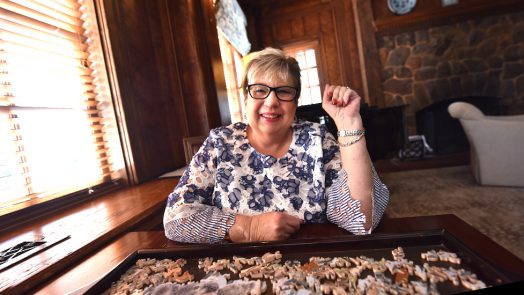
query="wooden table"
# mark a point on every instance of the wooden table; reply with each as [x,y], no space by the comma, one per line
[80,277]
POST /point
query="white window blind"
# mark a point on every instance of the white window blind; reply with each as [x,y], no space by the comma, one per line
[58,133]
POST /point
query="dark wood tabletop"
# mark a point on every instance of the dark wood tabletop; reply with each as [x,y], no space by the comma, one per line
[80,277]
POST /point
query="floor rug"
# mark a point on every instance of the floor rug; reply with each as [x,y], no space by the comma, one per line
[497,212]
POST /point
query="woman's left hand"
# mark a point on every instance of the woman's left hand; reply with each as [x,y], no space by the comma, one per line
[342,104]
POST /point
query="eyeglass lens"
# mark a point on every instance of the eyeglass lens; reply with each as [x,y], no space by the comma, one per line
[260,91]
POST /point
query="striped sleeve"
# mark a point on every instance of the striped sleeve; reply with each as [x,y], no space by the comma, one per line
[207,225]
[380,199]
[341,209]
[344,211]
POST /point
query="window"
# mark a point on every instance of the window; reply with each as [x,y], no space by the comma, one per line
[309,70]
[58,134]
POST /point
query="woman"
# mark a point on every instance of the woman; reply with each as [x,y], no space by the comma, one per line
[260,180]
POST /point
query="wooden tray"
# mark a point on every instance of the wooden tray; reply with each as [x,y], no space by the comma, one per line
[376,246]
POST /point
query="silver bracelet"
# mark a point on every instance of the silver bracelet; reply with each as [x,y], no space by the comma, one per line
[345,133]
[345,144]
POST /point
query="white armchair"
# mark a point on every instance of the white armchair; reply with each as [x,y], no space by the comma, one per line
[496,145]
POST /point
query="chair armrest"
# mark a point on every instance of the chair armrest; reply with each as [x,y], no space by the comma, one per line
[496,141]
[506,118]
[494,130]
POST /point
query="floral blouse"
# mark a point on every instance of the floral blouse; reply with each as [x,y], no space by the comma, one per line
[227,176]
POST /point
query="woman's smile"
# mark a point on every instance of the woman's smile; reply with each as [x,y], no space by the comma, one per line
[270,117]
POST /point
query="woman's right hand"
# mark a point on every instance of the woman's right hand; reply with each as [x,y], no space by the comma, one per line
[270,226]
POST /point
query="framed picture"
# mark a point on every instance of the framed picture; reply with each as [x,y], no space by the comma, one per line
[191,146]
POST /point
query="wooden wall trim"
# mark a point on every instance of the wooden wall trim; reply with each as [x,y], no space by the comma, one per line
[432,13]
[368,52]
[210,39]
[131,176]
[349,48]
[290,9]
[174,70]
[163,59]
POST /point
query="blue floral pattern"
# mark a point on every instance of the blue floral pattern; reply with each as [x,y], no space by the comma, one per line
[229,174]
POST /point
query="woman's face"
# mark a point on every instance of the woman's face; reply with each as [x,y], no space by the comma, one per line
[270,115]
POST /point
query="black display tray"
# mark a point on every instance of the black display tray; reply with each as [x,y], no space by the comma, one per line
[375,245]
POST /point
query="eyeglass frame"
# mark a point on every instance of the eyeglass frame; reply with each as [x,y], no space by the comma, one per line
[297,92]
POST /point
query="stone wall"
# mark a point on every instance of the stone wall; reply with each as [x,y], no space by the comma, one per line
[483,57]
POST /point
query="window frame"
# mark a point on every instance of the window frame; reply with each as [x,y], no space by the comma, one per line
[303,46]
[232,63]
[26,209]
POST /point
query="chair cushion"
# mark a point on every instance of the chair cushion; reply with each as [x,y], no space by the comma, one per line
[464,110]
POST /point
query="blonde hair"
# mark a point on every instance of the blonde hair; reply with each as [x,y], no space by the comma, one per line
[271,62]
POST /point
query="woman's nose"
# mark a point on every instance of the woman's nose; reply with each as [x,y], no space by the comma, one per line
[271,99]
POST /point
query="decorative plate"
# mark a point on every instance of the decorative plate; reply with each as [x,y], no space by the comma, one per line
[401,6]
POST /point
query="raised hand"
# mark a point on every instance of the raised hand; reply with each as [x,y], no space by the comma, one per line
[342,104]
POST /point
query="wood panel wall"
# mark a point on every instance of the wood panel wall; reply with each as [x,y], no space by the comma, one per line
[288,23]
[348,31]
[169,72]
[163,63]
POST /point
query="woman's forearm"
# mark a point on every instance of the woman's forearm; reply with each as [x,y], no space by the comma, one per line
[357,164]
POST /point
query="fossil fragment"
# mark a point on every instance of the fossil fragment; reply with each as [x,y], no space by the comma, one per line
[318,275]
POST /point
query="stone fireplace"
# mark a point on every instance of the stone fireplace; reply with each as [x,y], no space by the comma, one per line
[474,58]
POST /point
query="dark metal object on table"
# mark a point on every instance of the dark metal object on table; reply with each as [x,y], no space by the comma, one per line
[375,246]
[99,264]
[25,249]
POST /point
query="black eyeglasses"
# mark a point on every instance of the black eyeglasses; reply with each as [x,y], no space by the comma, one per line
[261,91]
